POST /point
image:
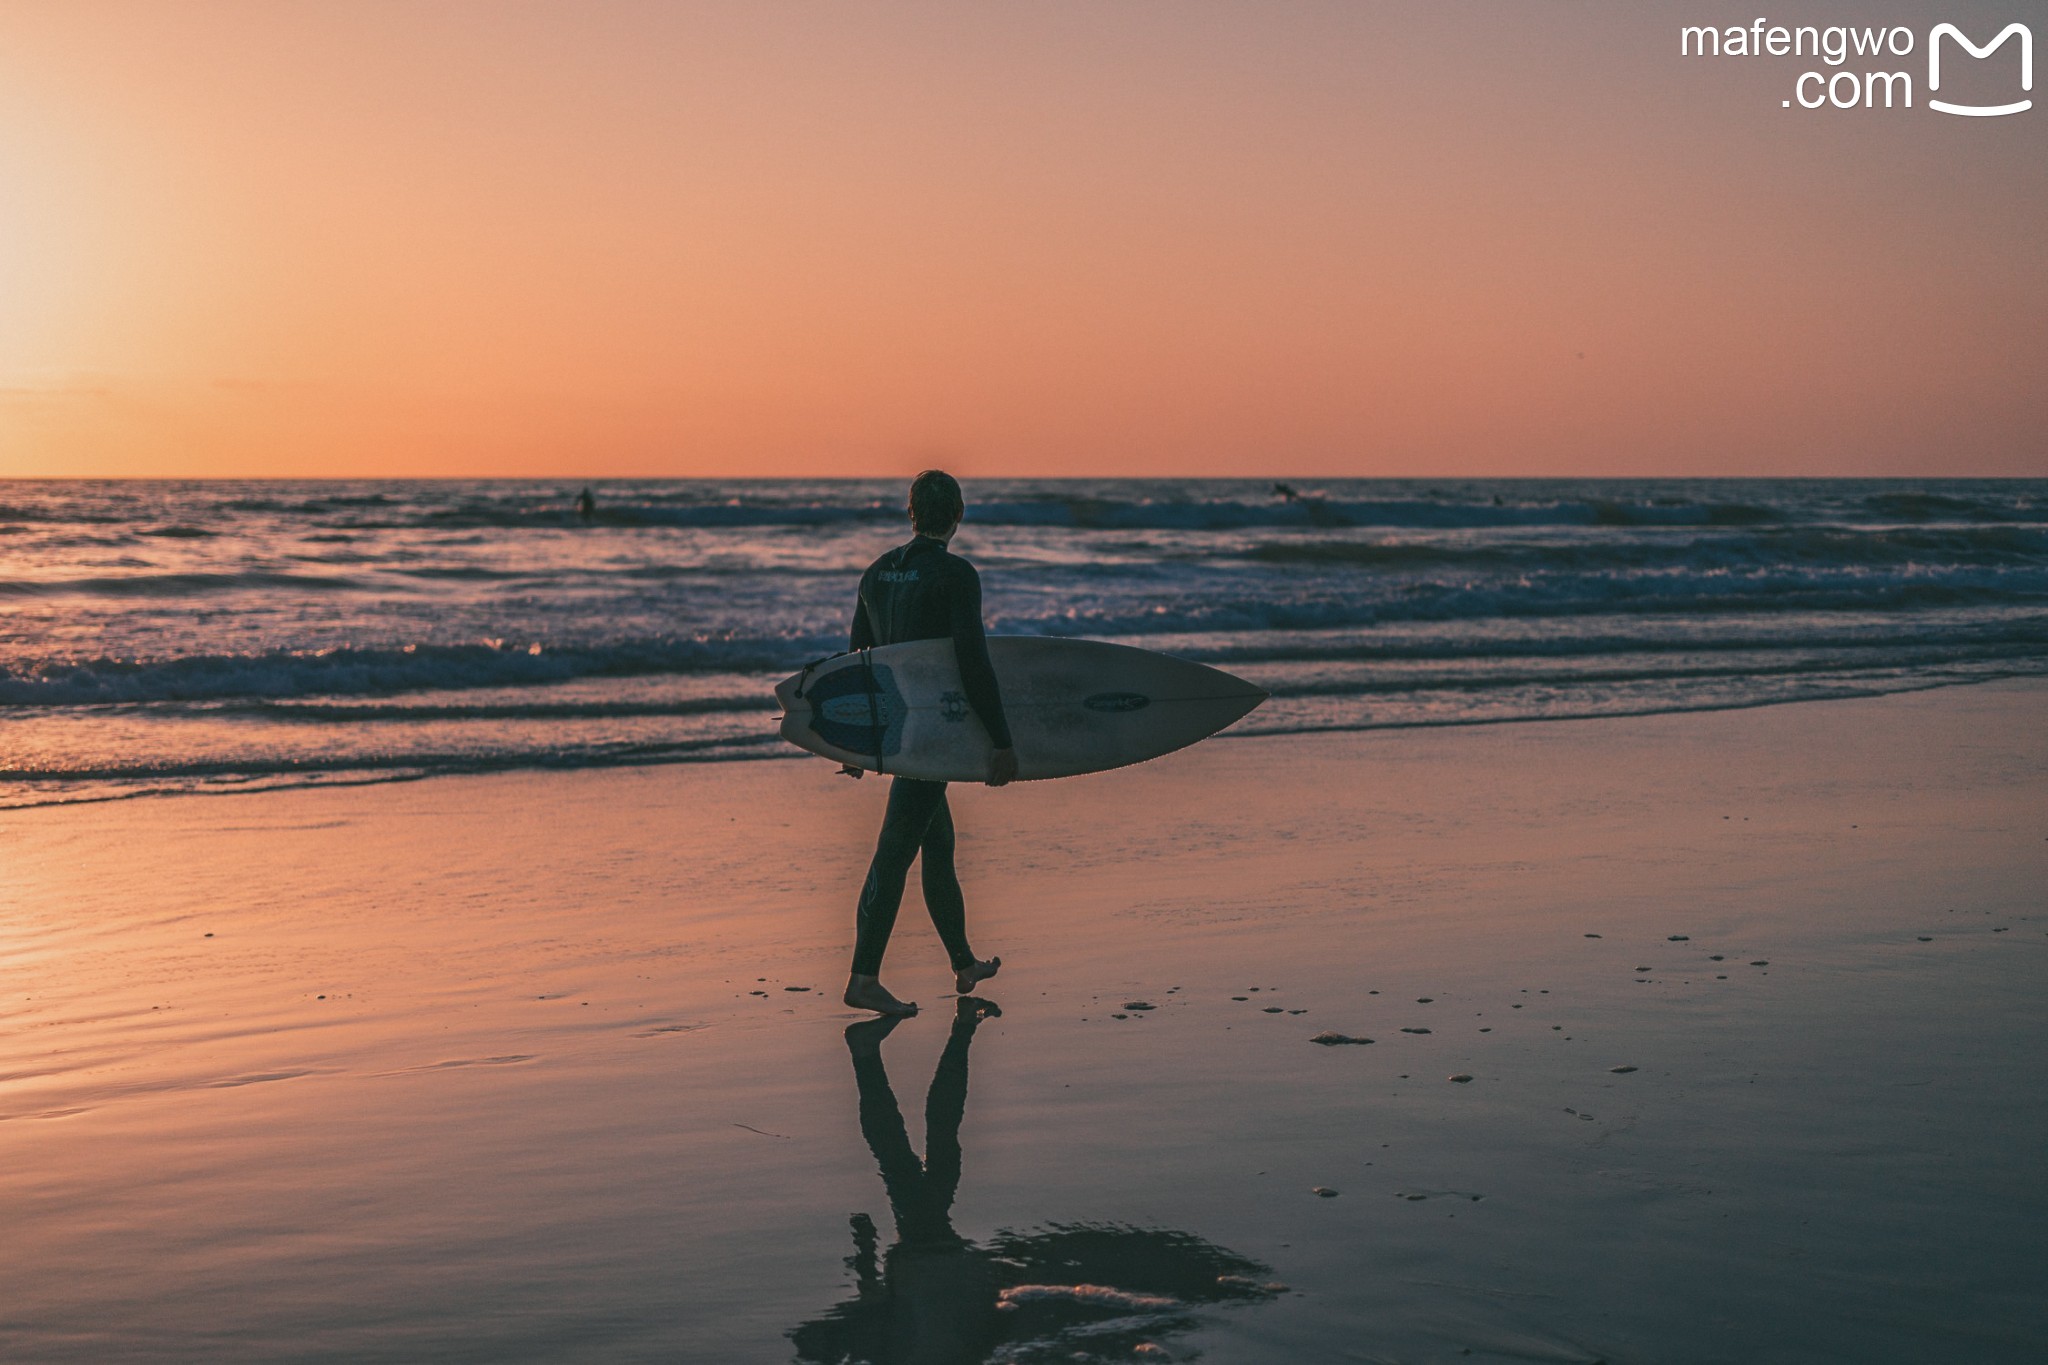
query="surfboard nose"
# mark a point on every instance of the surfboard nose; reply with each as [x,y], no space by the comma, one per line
[1246,703]
[1233,698]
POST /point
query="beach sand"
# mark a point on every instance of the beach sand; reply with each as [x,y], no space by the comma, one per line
[551,1066]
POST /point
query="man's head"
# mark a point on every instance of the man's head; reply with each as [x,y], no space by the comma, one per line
[935,503]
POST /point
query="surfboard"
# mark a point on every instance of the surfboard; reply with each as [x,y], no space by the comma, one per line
[1074,706]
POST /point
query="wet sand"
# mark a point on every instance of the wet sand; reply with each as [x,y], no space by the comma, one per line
[1692,1038]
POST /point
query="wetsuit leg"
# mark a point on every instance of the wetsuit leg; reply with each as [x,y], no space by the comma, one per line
[912,804]
[942,886]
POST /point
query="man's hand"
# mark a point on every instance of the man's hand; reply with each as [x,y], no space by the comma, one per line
[848,770]
[1002,767]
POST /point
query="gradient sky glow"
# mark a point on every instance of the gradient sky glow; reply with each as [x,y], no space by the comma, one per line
[379,237]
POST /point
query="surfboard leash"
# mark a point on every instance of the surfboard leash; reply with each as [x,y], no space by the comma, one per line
[875,725]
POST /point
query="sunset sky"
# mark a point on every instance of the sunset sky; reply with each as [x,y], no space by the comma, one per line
[383,237]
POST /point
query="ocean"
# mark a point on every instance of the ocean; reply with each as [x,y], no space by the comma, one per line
[164,637]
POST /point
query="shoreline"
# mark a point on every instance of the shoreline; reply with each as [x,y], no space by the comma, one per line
[479,1069]
[782,754]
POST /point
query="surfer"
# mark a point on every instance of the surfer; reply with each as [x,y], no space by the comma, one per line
[586,505]
[922,591]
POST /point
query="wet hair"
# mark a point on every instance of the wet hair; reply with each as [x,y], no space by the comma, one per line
[935,501]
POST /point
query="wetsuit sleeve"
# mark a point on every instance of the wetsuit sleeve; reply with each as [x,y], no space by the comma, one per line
[862,636]
[970,644]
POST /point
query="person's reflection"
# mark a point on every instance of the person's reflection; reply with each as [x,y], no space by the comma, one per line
[1068,1291]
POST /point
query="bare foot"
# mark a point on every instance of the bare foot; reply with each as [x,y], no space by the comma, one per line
[866,993]
[966,978]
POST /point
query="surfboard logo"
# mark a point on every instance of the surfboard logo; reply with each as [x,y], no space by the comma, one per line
[1117,701]
[953,707]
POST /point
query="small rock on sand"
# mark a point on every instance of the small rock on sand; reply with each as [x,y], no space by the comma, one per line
[1462,1078]
[1592,936]
[1272,1009]
[1328,1039]
[1678,938]
[1414,1030]
[796,988]
[1926,938]
[1326,1192]
[1139,1005]
[1761,962]
[1621,1070]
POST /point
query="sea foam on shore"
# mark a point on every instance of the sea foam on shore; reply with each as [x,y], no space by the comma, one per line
[177,636]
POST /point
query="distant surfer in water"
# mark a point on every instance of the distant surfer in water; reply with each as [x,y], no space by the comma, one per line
[922,591]
[586,505]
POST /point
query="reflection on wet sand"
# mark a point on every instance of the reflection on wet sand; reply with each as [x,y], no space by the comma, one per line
[1063,1291]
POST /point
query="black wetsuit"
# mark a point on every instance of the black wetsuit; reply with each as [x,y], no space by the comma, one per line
[920,591]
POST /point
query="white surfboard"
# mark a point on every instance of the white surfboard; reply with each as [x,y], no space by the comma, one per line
[1074,706]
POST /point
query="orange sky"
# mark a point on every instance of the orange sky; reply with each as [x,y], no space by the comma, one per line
[381,237]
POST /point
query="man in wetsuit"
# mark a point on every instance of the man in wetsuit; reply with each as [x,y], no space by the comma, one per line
[921,591]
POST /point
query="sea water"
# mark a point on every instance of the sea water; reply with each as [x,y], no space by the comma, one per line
[162,636]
